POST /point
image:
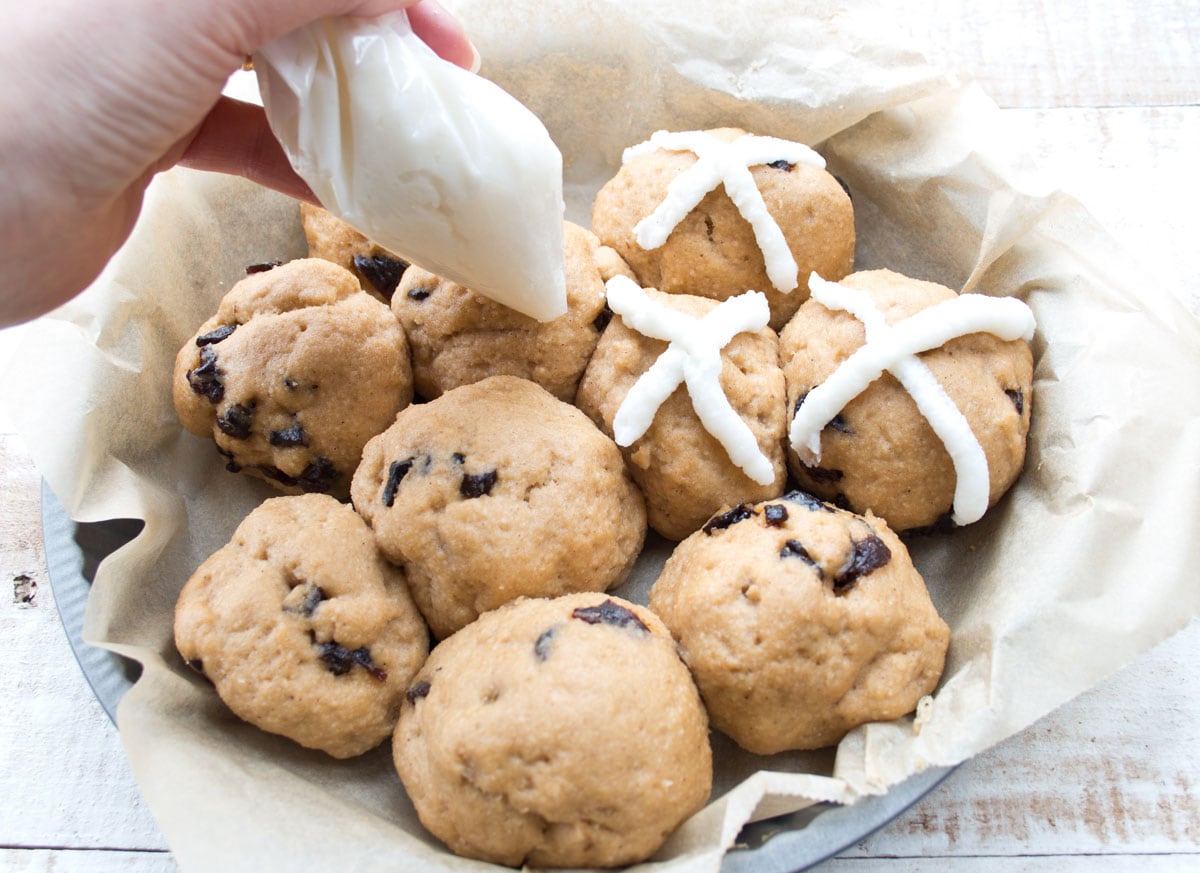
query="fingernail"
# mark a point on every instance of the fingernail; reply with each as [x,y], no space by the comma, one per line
[476,59]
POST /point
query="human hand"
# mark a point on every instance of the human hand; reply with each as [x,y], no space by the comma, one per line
[100,95]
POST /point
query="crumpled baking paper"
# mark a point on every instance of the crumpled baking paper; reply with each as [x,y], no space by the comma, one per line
[1087,562]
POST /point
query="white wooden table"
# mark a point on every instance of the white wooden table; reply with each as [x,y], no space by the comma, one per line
[1106,94]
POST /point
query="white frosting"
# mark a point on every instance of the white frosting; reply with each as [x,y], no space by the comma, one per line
[428,160]
[693,358]
[894,348]
[728,163]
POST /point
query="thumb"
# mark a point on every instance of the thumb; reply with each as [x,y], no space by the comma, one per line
[443,33]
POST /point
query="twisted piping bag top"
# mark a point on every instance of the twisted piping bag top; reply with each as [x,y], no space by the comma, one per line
[430,161]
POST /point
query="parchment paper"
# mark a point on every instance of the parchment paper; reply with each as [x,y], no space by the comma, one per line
[1088,561]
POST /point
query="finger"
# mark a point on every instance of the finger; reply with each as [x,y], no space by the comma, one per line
[235,138]
[255,24]
[443,33]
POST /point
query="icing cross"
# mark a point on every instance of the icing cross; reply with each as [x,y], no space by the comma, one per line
[894,348]
[694,359]
[719,162]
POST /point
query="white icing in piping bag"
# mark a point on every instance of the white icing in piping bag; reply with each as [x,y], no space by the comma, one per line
[430,161]
[719,162]
[894,348]
[694,359]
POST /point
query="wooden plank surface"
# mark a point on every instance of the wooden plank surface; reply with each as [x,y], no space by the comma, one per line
[1067,53]
[1115,772]
[1135,169]
[92,860]
[63,774]
[1031,864]
[1106,94]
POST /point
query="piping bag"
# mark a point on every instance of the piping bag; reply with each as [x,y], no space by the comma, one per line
[438,165]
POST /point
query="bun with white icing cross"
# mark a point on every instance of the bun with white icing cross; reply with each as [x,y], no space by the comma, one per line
[692,392]
[716,213]
[906,399]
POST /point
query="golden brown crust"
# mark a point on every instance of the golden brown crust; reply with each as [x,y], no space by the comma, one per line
[798,626]
[292,376]
[538,737]
[303,628]
[498,490]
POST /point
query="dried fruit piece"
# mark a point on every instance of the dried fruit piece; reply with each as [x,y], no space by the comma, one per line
[417,691]
[741,512]
[382,272]
[339,660]
[292,435]
[313,595]
[274,473]
[775,514]
[262,267]
[839,424]
[821,474]
[215,336]
[541,647]
[362,657]
[396,472]
[230,464]
[868,555]
[609,612]
[205,380]
[1017,396]
[319,475]
[787,166]
[477,484]
[419,293]
[236,421]
[803,498]
[795,549]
